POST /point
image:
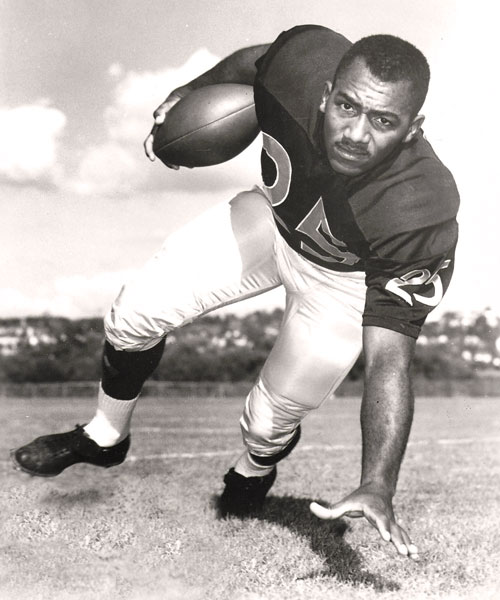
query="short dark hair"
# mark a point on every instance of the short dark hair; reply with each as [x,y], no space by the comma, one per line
[390,58]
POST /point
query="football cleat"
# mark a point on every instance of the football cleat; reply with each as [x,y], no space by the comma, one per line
[49,455]
[244,496]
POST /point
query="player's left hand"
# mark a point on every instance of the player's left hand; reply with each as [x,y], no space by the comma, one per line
[376,507]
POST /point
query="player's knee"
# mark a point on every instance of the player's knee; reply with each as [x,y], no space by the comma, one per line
[131,330]
[279,452]
[257,433]
[268,423]
[262,439]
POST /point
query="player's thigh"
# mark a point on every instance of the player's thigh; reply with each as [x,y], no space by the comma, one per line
[314,351]
[222,256]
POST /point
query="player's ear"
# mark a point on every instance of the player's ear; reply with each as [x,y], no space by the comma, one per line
[414,128]
[327,90]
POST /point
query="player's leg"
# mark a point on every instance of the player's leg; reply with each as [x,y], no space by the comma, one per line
[223,256]
[319,341]
[123,375]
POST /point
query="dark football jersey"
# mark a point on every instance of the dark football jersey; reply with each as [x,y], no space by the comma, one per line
[397,222]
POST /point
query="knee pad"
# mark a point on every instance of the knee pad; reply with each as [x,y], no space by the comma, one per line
[273,459]
[124,373]
[270,422]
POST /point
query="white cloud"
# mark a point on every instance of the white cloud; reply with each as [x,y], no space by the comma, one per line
[14,303]
[80,296]
[115,70]
[119,165]
[74,297]
[83,295]
[138,94]
[29,143]
[107,169]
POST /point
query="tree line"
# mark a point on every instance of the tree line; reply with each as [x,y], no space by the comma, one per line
[223,348]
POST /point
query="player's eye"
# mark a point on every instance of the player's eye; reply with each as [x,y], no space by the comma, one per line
[383,122]
[346,107]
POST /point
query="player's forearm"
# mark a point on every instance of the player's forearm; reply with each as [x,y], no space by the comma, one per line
[238,67]
[386,414]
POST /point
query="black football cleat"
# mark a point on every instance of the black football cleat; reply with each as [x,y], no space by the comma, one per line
[49,455]
[244,496]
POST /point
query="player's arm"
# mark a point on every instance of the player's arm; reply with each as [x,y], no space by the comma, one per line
[386,417]
[238,67]
[404,283]
[387,407]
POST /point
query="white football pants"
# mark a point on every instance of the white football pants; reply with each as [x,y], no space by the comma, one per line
[232,252]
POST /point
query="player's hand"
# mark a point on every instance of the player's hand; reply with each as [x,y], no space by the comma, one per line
[376,507]
[159,116]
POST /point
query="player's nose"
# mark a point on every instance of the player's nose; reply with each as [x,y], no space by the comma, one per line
[357,131]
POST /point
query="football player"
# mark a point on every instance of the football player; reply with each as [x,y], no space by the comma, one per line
[356,218]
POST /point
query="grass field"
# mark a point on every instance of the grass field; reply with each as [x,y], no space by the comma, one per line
[149,529]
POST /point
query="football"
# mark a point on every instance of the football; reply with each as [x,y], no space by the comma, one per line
[207,127]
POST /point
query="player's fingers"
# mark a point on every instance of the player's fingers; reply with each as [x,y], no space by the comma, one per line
[159,117]
[380,521]
[403,542]
[413,552]
[148,144]
[325,513]
[398,540]
[341,509]
[148,147]
[161,112]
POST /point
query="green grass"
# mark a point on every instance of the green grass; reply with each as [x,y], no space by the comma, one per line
[149,529]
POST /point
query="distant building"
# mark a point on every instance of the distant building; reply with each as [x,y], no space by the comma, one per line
[14,332]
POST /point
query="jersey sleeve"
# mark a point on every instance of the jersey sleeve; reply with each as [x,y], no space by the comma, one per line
[408,276]
[296,66]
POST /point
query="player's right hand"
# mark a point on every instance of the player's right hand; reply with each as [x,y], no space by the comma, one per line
[159,117]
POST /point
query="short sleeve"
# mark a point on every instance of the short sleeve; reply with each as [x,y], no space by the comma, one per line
[297,64]
[408,277]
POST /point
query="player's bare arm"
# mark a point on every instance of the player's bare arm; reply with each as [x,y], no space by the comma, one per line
[238,67]
[386,417]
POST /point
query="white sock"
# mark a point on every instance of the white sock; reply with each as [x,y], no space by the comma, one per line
[111,423]
[249,468]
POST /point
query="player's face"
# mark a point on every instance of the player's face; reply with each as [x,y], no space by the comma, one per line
[365,119]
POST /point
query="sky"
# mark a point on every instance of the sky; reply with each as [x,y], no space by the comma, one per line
[81,207]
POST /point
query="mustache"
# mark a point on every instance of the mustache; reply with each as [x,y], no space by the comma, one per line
[349,146]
